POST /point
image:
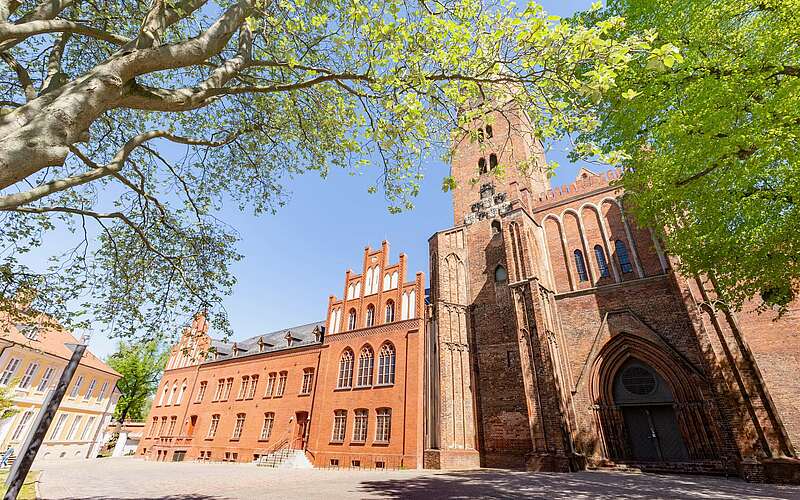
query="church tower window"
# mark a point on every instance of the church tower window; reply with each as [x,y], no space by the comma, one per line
[601,261]
[580,265]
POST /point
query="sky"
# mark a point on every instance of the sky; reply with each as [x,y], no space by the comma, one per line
[295,259]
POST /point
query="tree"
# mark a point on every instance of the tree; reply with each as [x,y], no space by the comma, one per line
[131,123]
[7,405]
[710,130]
[141,366]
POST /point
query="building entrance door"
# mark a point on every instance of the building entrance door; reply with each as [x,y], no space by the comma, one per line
[300,430]
[646,402]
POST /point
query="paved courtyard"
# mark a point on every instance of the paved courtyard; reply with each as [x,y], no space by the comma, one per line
[114,478]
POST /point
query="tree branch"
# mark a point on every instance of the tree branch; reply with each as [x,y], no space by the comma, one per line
[21,31]
[22,75]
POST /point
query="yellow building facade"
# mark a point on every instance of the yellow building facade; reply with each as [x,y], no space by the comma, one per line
[32,359]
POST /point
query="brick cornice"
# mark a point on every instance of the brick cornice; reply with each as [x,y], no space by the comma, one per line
[404,325]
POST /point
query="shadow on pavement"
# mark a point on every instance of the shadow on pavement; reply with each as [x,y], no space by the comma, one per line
[595,485]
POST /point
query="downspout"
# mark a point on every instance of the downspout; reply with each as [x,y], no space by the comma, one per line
[313,399]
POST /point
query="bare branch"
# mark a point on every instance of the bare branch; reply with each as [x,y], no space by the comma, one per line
[22,75]
[25,30]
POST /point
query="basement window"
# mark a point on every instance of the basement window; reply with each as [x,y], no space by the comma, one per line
[334,462]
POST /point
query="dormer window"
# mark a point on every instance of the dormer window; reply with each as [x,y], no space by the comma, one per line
[263,345]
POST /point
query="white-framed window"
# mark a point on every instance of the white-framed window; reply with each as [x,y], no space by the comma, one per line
[345,379]
[201,392]
[220,389]
[366,362]
[369,319]
[281,384]
[239,426]
[351,320]
[387,281]
[270,384]
[394,279]
[360,425]
[172,421]
[308,381]
[339,426]
[181,393]
[48,374]
[8,373]
[59,425]
[88,428]
[90,390]
[30,372]
[244,387]
[386,362]
[383,425]
[357,292]
[253,385]
[77,387]
[368,282]
[389,316]
[22,426]
[412,304]
[76,423]
[102,394]
[228,387]
[173,393]
[164,393]
[266,429]
[212,428]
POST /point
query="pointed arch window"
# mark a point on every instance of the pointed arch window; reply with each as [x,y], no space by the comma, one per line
[622,256]
[496,228]
[489,133]
[366,361]
[351,320]
[370,318]
[482,166]
[389,311]
[602,264]
[386,362]
[368,282]
[376,280]
[345,380]
[580,265]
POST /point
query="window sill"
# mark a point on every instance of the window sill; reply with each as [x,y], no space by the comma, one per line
[340,389]
[336,442]
[380,443]
[235,439]
[362,387]
[263,440]
[304,394]
[358,443]
[384,385]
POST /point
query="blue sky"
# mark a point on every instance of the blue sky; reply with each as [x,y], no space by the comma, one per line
[294,260]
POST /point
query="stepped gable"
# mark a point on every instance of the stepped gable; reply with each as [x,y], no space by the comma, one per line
[585,182]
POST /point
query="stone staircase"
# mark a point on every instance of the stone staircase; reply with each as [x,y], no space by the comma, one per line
[282,456]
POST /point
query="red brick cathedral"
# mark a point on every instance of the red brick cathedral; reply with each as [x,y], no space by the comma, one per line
[556,335]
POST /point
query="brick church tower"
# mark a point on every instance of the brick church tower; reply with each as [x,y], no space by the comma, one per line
[560,335]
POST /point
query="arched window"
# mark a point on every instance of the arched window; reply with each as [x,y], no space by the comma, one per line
[386,359]
[492,161]
[368,282]
[500,274]
[164,394]
[370,319]
[389,311]
[482,166]
[366,362]
[394,279]
[580,265]
[351,320]
[489,132]
[622,256]
[387,281]
[601,261]
[412,304]
[180,394]
[345,379]
[480,135]
[357,291]
[350,290]
[376,279]
[173,393]
[496,227]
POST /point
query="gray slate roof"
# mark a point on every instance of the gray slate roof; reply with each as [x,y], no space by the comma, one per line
[302,335]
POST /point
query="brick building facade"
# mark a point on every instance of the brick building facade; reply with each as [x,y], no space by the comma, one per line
[556,335]
[561,336]
[347,390]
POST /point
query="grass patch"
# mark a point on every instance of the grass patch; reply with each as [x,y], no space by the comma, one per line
[28,491]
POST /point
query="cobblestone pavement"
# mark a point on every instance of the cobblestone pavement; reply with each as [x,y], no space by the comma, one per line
[117,478]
